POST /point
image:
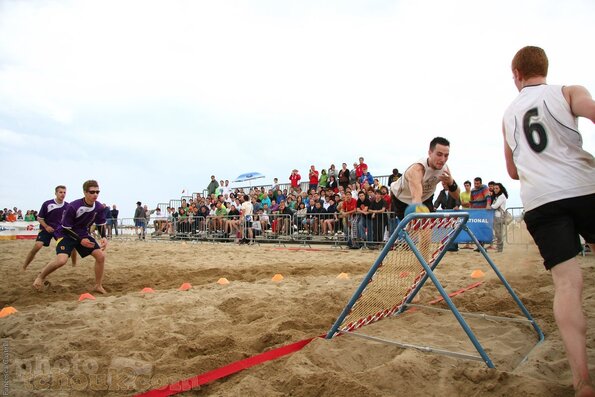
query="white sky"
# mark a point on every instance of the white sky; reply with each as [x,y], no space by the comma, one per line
[152,97]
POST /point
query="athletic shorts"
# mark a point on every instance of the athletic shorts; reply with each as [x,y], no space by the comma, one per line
[400,207]
[65,245]
[556,226]
[45,237]
[139,223]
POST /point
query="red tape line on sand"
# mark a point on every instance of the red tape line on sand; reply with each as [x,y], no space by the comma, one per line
[199,380]
[467,288]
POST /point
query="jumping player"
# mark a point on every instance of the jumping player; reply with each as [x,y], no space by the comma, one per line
[74,233]
[50,216]
[543,149]
[417,185]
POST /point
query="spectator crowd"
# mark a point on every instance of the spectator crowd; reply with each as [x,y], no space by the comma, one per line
[326,202]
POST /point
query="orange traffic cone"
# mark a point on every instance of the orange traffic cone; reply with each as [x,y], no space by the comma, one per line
[86,295]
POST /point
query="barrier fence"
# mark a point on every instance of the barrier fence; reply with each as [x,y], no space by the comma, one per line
[356,230]
[336,229]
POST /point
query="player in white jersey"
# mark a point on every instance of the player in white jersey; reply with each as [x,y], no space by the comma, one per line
[543,149]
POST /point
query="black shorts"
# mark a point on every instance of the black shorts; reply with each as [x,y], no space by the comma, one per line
[45,237]
[65,245]
[399,207]
[556,226]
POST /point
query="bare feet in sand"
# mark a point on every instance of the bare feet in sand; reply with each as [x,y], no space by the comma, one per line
[584,389]
[40,284]
[100,289]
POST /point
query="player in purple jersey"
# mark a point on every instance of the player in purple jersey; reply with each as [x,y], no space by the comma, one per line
[73,234]
[50,216]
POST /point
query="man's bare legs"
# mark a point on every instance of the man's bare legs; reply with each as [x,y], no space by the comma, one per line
[99,256]
[73,258]
[31,255]
[571,321]
[61,260]
[51,267]
[39,245]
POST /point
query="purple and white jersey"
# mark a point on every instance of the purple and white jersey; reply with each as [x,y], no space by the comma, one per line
[79,217]
[51,212]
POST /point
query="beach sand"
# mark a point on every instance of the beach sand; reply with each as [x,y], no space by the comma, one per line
[127,342]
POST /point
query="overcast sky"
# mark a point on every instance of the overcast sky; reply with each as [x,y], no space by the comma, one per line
[151,98]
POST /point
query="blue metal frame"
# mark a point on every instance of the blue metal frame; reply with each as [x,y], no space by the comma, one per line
[400,232]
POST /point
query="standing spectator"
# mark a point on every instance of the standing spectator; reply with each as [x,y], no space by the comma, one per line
[332,171]
[353,177]
[219,188]
[499,205]
[447,201]
[348,208]
[480,198]
[294,179]
[50,216]
[247,212]
[148,214]
[107,213]
[557,190]
[466,195]
[363,216]
[344,176]
[313,176]
[480,195]
[491,189]
[226,188]
[140,219]
[323,180]
[360,168]
[377,208]
[213,185]
[114,217]
[393,177]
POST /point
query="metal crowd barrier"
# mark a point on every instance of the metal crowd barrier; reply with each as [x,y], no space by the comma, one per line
[353,230]
[516,231]
[336,229]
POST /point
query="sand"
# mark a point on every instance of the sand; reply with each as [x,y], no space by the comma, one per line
[127,342]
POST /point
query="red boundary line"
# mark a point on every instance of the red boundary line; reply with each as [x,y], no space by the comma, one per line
[199,380]
[218,373]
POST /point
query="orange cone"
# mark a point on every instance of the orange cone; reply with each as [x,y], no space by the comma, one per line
[185,287]
[7,311]
[86,295]
[343,276]
[223,281]
[477,274]
[277,278]
[147,290]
